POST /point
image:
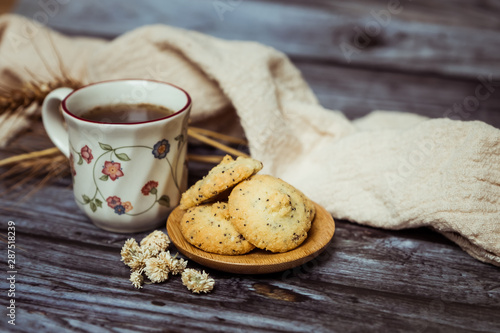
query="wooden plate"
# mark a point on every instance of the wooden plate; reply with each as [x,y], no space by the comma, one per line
[257,261]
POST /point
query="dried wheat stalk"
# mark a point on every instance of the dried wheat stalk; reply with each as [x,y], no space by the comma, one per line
[201,158]
[219,136]
[28,156]
[192,133]
[211,159]
[36,155]
[50,163]
[19,107]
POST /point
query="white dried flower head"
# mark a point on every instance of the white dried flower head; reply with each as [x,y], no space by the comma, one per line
[129,249]
[177,266]
[156,269]
[156,242]
[196,281]
[174,265]
[165,256]
[138,262]
[137,279]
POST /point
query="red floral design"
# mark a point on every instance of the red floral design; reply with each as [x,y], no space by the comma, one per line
[113,201]
[86,153]
[150,187]
[112,169]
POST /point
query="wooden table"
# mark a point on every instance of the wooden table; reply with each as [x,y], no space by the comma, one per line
[421,56]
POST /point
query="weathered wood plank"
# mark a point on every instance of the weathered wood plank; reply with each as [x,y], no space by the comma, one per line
[357,92]
[71,271]
[458,39]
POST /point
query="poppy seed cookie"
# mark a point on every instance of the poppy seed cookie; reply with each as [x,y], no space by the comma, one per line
[221,178]
[208,228]
[270,213]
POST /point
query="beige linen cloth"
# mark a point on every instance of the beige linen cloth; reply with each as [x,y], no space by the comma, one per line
[389,169]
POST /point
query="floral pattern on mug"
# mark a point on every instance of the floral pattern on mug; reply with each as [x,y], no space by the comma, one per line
[161,149]
[113,201]
[119,209]
[118,206]
[113,170]
[150,187]
[86,154]
[128,206]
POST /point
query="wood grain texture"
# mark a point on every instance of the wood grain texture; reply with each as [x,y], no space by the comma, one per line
[357,92]
[429,57]
[70,277]
[458,39]
[257,261]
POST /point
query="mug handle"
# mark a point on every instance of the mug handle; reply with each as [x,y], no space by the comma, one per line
[53,120]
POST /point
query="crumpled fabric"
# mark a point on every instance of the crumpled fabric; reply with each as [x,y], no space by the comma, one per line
[390,170]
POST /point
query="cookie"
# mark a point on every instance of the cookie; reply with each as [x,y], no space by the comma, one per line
[221,178]
[208,228]
[270,213]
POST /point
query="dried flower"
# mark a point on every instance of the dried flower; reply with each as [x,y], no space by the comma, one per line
[177,266]
[138,262]
[137,279]
[165,256]
[129,250]
[152,259]
[134,256]
[196,281]
[156,242]
[156,269]
[174,265]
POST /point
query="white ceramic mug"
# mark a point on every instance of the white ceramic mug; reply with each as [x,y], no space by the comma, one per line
[127,177]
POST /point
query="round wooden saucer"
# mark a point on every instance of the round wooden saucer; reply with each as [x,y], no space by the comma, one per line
[257,261]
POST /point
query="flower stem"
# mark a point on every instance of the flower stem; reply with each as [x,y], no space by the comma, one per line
[154,202]
[173,176]
[97,190]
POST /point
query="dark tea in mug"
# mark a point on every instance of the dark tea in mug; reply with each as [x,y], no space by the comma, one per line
[126,113]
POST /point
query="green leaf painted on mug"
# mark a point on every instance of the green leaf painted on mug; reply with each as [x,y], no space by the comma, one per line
[86,199]
[80,160]
[104,177]
[123,157]
[180,139]
[98,203]
[93,206]
[105,146]
[164,200]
